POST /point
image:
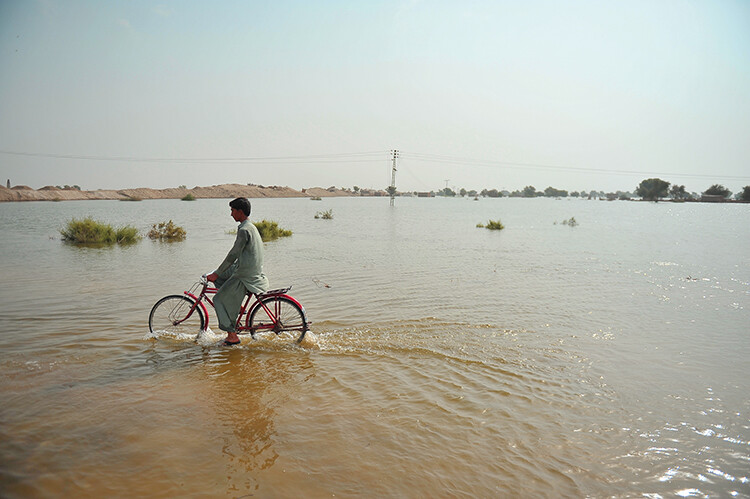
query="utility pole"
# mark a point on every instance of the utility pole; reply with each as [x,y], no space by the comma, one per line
[392,188]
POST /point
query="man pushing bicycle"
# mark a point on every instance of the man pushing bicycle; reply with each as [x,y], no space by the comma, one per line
[240,272]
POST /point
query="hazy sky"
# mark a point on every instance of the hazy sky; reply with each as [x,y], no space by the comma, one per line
[577,95]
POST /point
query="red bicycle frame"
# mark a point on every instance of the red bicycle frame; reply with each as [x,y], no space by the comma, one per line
[244,309]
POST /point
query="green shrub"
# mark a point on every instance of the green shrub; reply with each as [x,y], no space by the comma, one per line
[167,231]
[325,215]
[89,231]
[127,235]
[188,197]
[492,225]
[270,230]
[316,198]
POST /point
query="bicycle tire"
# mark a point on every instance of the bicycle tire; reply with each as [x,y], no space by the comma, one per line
[171,309]
[291,325]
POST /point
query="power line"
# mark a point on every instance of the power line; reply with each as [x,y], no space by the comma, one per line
[358,157]
[434,158]
[366,157]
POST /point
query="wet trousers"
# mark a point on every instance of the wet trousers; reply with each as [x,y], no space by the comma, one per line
[228,301]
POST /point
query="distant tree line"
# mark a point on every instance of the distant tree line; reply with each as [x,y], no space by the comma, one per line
[651,189]
[530,192]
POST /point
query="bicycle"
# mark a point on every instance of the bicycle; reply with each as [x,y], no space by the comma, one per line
[273,311]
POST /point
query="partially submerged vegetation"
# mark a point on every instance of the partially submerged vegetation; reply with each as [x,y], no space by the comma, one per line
[651,189]
[270,230]
[89,231]
[188,197]
[492,225]
[571,222]
[167,231]
[325,215]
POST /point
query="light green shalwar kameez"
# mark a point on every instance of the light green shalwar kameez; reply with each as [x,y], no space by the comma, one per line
[240,272]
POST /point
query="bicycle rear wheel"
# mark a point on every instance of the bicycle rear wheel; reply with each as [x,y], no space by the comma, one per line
[279,315]
[172,315]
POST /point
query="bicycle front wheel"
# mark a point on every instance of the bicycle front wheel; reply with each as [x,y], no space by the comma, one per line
[279,315]
[176,315]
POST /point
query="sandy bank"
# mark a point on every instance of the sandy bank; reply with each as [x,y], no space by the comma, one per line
[51,193]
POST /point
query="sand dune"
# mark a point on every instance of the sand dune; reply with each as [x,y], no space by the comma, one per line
[51,193]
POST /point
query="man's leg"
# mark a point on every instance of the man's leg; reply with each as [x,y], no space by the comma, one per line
[224,277]
[227,303]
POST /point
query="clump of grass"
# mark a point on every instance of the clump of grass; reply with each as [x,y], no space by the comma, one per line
[167,231]
[131,198]
[572,222]
[127,235]
[492,225]
[325,215]
[89,231]
[316,198]
[188,197]
[270,230]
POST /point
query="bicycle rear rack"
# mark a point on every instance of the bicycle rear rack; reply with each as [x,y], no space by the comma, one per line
[280,291]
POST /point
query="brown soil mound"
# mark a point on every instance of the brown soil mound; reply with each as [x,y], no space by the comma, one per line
[51,193]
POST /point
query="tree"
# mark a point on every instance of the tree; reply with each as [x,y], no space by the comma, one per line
[551,192]
[678,192]
[652,189]
[623,196]
[529,191]
[718,190]
[745,195]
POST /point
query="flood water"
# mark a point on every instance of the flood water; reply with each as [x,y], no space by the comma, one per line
[607,359]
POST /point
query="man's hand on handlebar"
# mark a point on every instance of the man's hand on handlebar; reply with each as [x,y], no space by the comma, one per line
[212,276]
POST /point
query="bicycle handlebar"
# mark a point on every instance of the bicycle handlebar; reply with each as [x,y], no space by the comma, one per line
[204,277]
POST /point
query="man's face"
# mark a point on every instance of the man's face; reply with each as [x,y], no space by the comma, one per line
[237,214]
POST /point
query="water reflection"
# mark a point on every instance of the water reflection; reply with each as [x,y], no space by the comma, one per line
[248,385]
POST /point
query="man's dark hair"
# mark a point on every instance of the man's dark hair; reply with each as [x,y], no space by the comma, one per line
[241,204]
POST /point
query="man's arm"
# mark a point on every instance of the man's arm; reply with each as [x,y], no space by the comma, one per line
[234,253]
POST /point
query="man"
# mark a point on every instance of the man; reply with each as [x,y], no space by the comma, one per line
[240,272]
